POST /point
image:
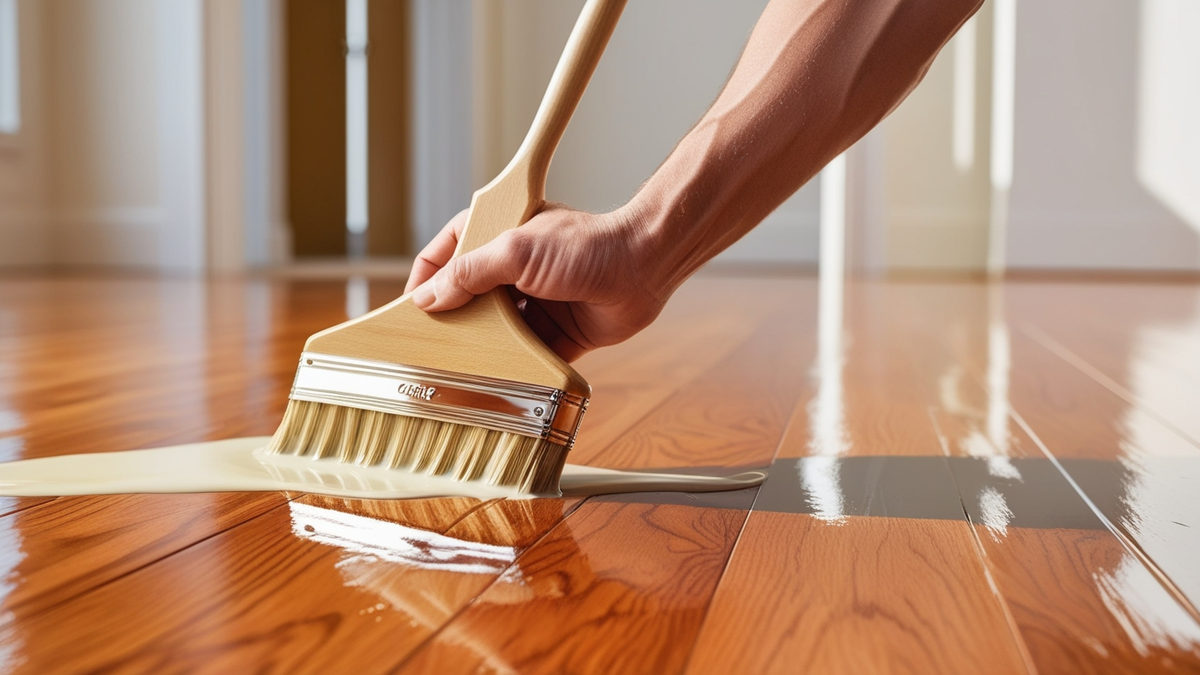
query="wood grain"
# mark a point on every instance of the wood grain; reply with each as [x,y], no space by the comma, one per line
[732,415]
[616,588]
[1142,482]
[1081,599]
[608,582]
[1146,353]
[631,382]
[165,362]
[10,505]
[866,595]
[874,594]
[75,544]
[300,589]
[1085,604]
[882,417]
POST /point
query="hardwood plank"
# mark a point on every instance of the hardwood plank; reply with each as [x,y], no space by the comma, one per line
[435,515]
[625,584]
[911,588]
[1137,471]
[71,545]
[865,595]
[1085,604]
[301,589]
[478,547]
[881,417]
[167,361]
[1138,337]
[1081,600]
[733,415]
[1086,420]
[631,380]
[439,600]
[10,505]
[606,569]
[619,586]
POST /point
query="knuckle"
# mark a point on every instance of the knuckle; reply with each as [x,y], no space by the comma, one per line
[461,272]
[519,246]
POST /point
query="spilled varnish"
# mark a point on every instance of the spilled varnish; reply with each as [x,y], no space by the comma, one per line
[242,465]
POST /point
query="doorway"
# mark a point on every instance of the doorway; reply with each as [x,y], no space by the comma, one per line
[317,123]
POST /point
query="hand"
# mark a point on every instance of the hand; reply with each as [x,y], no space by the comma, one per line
[581,280]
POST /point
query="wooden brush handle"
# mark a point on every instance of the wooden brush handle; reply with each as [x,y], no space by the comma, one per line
[519,191]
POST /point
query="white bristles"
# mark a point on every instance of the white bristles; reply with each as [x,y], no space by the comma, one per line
[466,453]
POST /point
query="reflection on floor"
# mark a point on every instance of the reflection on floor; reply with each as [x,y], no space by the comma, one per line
[963,478]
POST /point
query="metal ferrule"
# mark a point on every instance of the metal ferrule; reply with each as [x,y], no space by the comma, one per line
[500,405]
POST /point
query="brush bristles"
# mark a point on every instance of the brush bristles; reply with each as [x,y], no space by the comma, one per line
[462,452]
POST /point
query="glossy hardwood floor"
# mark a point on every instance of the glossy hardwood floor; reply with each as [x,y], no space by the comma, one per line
[964,478]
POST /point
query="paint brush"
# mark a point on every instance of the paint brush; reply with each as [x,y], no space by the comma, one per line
[471,393]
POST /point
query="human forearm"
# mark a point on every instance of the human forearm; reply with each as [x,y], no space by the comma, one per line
[815,76]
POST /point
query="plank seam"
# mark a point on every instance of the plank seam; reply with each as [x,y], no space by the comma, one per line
[908,350]
[717,587]
[799,412]
[23,509]
[1126,540]
[981,553]
[766,324]
[434,634]
[1063,352]
[144,566]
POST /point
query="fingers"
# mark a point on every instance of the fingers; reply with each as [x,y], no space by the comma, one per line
[549,329]
[498,263]
[435,254]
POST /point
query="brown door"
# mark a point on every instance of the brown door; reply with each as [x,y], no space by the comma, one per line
[316,118]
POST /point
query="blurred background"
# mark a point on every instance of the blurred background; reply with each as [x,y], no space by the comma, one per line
[232,135]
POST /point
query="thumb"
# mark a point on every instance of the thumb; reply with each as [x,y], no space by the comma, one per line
[499,262]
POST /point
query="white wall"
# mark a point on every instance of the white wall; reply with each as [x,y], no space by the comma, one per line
[442,138]
[126,112]
[1076,199]
[665,64]
[935,212]
[1168,142]
[24,178]
[244,135]
[119,160]
[105,144]
[267,236]
[152,136]
[1106,169]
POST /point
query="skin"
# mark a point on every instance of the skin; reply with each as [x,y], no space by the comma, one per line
[815,76]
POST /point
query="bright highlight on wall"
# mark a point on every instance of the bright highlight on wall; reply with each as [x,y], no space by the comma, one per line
[827,415]
[1168,137]
[356,116]
[1004,85]
[10,79]
[1004,71]
[964,96]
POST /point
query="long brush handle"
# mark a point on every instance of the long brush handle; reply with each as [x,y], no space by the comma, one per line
[520,190]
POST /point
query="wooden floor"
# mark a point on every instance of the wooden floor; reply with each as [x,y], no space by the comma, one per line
[964,479]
